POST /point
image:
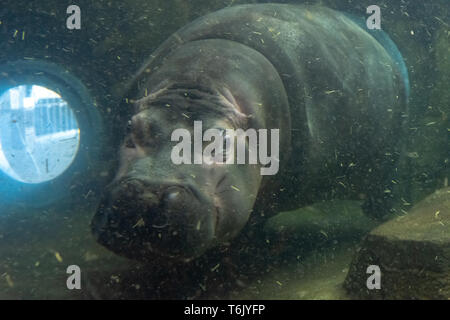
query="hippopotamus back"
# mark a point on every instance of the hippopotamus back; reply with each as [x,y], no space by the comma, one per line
[347,88]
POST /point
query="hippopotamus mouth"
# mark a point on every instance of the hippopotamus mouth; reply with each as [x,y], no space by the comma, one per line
[141,219]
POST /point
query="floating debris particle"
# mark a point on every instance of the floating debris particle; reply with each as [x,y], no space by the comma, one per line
[185,115]
[215,267]
[438,19]
[58,257]
[9,280]
[23,35]
[412,155]
[115,278]
[139,223]
[235,188]
[37,264]
[436,214]
[15,33]
[406,203]
[279,283]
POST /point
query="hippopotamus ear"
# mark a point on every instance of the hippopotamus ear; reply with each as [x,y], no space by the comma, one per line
[237,114]
[231,102]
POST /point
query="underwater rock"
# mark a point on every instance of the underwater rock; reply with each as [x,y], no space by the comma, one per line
[317,225]
[412,252]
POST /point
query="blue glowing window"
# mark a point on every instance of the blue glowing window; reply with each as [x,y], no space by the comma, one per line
[39,134]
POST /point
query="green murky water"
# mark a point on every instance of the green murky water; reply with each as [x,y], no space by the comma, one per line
[318,251]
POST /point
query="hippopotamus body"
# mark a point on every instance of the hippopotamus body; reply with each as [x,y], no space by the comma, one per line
[337,94]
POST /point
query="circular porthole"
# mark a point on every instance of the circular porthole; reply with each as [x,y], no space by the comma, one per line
[39,134]
[50,132]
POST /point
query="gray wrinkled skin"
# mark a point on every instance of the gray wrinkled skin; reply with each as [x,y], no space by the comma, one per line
[333,91]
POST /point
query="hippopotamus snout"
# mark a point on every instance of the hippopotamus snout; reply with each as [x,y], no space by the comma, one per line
[138,216]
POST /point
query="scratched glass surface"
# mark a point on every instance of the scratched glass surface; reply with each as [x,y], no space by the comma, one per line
[224,149]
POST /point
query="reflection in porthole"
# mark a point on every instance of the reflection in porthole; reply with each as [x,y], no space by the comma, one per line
[39,134]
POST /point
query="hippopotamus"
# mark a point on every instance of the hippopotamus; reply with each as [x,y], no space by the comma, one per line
[336,91]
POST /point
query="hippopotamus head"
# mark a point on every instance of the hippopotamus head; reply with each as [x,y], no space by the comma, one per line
[158,208]
[176,210]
